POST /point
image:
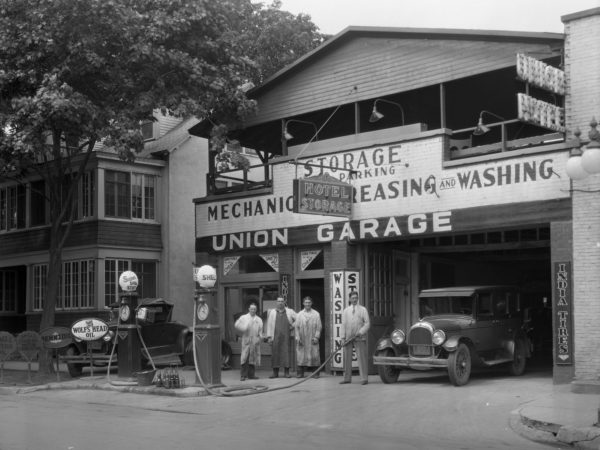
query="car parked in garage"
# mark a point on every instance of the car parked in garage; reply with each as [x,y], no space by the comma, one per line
[165,339]
[459,327]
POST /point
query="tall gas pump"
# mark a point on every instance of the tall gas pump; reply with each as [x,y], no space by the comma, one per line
[129,355]
[207,334]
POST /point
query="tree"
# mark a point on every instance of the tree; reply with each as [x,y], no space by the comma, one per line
[76,73]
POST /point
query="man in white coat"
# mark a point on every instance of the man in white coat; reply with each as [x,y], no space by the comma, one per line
[355,323]
[250,326]
[280,333]
[308,331]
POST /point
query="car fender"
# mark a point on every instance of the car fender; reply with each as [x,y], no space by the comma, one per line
[451,343]
[384,343]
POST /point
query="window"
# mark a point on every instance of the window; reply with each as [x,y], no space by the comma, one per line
[380,284]
[130,196]
[147,129]
[12,207]
[77,288]
[117,194]
[145,271]
[87,192]
[8,291]
[142,196]
[37,208]
[40,275]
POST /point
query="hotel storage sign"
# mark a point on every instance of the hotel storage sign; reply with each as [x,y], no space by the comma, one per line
[324,195]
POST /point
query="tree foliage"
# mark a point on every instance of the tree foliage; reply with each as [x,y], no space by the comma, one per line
[73,73]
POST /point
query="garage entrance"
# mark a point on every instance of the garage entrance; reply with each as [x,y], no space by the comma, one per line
[507,257]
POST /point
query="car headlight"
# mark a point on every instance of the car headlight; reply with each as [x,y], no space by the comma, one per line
[108,336]
[438,337]
[398,337]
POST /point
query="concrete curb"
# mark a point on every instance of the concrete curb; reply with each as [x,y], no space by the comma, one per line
[585,438]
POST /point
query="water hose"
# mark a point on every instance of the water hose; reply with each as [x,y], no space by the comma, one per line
[243,390]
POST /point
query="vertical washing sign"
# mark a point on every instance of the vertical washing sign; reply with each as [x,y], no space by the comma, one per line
[342,283]
[563,321]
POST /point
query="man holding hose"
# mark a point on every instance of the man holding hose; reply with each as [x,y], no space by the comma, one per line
[355,323]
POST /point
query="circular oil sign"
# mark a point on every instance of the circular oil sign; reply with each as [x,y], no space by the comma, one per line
[56,337]
[89,329]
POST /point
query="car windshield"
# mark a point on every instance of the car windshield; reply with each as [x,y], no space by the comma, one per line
[431,306]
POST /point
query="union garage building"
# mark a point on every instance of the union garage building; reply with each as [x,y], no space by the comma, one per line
[428,164]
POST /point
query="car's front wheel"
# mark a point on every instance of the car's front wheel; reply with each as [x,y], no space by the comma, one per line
[517,366]
[459,365]
[388,374]
[75,370]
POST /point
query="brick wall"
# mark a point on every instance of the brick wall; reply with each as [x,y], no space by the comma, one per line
[582,68]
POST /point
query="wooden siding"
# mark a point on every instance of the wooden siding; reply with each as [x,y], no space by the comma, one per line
[105,233]
[380,67]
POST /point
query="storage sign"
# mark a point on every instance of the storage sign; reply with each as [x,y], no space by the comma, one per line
[324,195]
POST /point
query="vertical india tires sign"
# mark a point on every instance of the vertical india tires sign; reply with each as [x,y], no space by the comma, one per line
[563,320]
[342,283]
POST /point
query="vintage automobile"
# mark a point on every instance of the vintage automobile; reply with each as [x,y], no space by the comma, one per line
[165,339]
[459,327]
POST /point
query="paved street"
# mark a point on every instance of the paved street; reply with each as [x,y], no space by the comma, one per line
[422,411]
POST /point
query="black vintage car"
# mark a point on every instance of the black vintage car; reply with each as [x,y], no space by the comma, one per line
[459,327]
[165,339]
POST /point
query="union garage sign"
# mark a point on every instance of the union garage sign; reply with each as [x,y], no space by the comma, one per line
[324,195]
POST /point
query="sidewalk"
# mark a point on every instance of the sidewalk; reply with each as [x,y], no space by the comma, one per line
[560,418]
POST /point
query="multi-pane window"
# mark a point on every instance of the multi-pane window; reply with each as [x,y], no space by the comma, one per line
[117,194]
[380,283]
[87,194]
[143,191]
[37,209]
[130,196]
[12,207]
[145,271]
[40,277]
[77,285]
[8,291]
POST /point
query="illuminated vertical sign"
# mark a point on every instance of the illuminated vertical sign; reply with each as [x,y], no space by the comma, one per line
[342,283]
[563,320]
[284,286]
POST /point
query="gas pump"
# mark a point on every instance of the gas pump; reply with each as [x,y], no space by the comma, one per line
[207,335]
[129,356]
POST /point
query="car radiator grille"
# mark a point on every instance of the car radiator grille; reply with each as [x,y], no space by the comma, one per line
[419,342]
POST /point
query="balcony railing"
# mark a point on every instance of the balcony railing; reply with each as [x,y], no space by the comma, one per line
[462,143]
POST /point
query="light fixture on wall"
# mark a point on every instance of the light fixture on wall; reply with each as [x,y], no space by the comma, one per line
[481,127]
[287,135]
[376,115]
[581,164]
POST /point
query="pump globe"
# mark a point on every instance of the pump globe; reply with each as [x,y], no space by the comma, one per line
[128,281]
[205,276]
[575,168]
[590,160]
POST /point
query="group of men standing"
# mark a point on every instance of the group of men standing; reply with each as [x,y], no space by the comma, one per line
[285,327]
